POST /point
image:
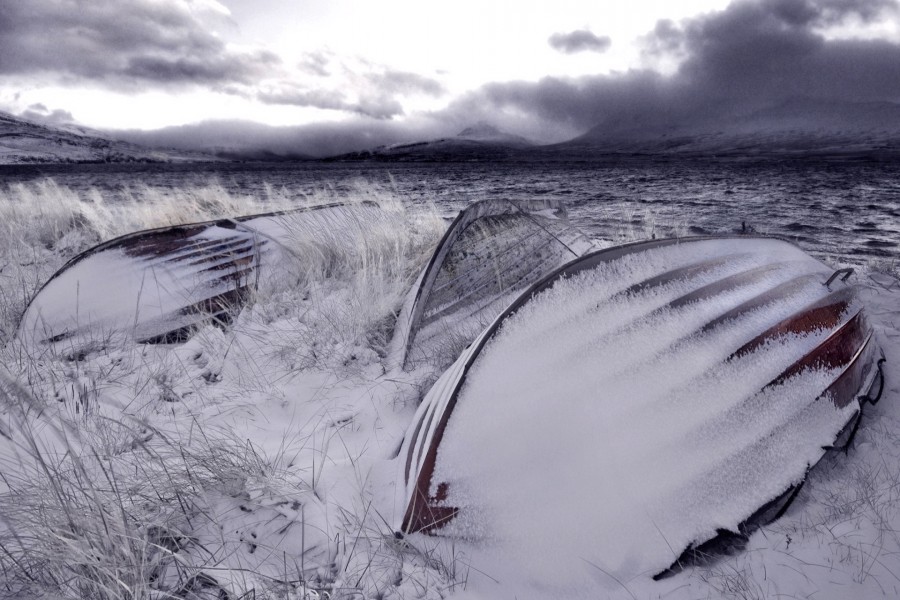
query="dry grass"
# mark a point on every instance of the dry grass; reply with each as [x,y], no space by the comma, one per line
[98,508]
[337,292]
[43,224]
[99,504]
[97,501]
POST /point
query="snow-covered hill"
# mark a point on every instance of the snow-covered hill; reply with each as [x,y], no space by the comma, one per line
[797,127]
[26,141]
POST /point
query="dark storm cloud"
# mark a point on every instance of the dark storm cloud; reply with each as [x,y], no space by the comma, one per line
[39,112]
[325,99]
[244,68]
[376,106]
[771,50]
[377,98]
[752,55]
[666,39]
[573,105]
[753,58]
[405,83]
[579,41]
[119,42]
[317,140]
[315,63]
[830,12]
[748,61]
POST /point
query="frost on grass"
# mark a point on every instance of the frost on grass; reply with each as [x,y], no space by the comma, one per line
[43,224]
[256,461]
[114,508]
[246,460]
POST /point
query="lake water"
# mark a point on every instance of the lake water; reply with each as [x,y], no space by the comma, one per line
[849,212]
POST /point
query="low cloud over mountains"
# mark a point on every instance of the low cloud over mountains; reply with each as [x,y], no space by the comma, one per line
[798,65]
[753,55]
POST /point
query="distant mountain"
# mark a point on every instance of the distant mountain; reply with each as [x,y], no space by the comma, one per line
[488,134]
[24,141]
[480,142]
[795,128]
[799,127]
[229,140]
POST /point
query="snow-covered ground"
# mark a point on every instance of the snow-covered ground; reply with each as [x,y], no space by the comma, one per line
[262,457]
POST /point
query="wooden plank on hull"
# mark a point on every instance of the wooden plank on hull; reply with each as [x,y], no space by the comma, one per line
[158,285]
[492,249]
[823,313]
[838,349]
[797,343]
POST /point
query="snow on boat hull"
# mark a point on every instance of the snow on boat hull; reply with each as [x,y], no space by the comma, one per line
[158,285]
[654,395]
[492,251]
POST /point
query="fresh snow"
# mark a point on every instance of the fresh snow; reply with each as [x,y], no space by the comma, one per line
[321,413]
[838,540]
[605,431]
[133,291]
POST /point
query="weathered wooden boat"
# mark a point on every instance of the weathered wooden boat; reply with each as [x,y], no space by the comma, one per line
[158,285]
[679,388]
[492,251]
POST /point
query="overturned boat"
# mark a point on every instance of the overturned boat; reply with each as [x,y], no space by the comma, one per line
[158,285]
[645,399]
[492,251]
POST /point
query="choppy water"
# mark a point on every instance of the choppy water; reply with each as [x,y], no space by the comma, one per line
[846,211]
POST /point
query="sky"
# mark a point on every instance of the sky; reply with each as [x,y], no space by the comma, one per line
[344,74]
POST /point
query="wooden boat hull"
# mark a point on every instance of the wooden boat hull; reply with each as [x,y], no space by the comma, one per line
[492,251]
[158,285]
[713,373]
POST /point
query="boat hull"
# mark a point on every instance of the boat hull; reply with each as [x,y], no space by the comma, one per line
[698,378]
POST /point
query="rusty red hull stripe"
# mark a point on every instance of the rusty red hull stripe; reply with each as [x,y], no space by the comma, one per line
[822,314]
[784,291]
[848,348]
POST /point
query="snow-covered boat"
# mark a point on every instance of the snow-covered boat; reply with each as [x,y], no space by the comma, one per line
[492,251]
[157,285]
[673,390]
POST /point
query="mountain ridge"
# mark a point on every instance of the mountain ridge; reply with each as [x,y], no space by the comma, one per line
[479,142]
[25,141]
[794,127]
